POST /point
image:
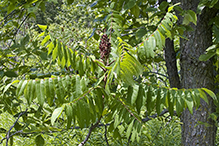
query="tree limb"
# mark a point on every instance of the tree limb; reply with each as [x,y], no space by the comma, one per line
[89,133]
[18,29]
[106,139]
[8,133]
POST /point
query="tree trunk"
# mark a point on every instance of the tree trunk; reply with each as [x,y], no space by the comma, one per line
[196,74]
[170,59]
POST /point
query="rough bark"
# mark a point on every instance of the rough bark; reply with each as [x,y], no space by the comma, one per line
[196,74]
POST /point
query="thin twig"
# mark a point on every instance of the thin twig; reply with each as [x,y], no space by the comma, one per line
[158,74]
[8,133]
[154,116]
[89,133]
[106,139]
[12,13]
[18,29]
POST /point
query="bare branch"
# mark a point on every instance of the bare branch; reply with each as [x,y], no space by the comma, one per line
[154,116]
[106,135]
[89,133]
[18,29]
[8,133]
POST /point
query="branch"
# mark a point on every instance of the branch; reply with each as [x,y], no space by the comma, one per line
[18,29]
[158,74]
[154,116]
[89,133]
[97,124]
[106,135]
[8,133]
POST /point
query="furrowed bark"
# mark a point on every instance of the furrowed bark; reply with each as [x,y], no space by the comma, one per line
[197,74]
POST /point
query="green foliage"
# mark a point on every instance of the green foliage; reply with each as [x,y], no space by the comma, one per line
[60,79]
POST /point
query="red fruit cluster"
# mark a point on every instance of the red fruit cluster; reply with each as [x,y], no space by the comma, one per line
[105,47]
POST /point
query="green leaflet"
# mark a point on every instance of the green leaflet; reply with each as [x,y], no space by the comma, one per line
[32,93]
[158,39]
[190,16]
[21,86]
[26,92]
[59,51]
[203,95]
[58,89]
[152,43]
[135,11]
[148,50]
[196,98]
[170,102]
[134,94]
[140,98]
[129,94]
[134,134]
[39,140]
[63,59]
[81,66]
[42,93]
[43,27]
[166,25]
[77,87]
[83,84]
[179,102]
[92,109]
[37,89]
[188,100]
[149,100]
[45,40]
[129,129]
[125,115]
[51,91]
[55,51]
[130,67]
[68,52]
[158,102]
[7,87]
[50,47]
[117,121]
[80,113]
[210,93]
[56,114]
[61,90]
[98,100]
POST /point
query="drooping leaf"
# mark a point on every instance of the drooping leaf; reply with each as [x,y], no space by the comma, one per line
[205,57]
[69,114]
[21,87]
[129,130]
[39,140]
[56,114]
[134,94]
[190,16]
[158,102]
[140,97]
[43,27]
[210,93]
[203,95]
[189,101]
